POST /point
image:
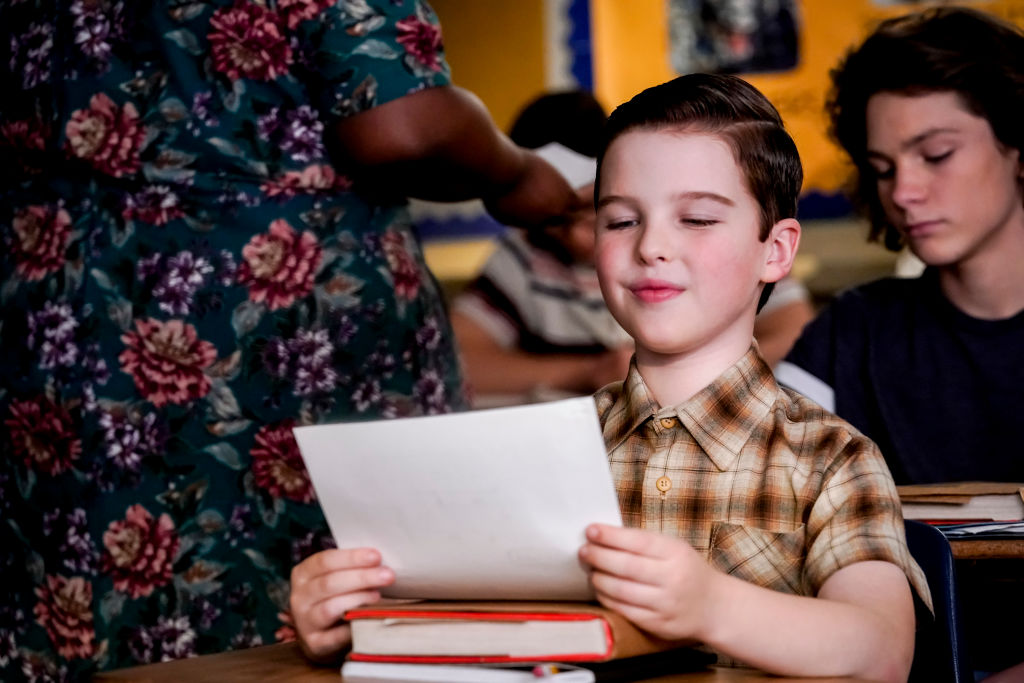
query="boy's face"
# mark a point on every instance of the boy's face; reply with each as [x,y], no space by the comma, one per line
[678,254]
[944,180]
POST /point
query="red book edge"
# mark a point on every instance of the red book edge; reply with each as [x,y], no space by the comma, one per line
[481,616]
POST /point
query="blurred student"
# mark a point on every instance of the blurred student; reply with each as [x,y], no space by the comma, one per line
[761,525]
[929,108]
[532,325]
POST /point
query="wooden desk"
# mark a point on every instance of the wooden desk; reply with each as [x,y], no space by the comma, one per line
[986,549]
[284,663]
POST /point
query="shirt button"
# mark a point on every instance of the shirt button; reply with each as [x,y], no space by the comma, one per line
[668,422]
[663,484]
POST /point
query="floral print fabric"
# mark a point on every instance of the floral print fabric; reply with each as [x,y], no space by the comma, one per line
[185,277]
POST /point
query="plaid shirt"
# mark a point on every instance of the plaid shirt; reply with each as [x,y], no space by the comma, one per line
[766,484]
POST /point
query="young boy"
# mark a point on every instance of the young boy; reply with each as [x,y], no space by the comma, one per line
[746,501]
[762,526]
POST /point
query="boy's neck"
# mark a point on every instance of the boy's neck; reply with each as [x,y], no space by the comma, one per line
[990,284]
[674,379]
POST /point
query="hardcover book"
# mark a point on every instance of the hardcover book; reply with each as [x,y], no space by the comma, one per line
[963,501]
[471,631]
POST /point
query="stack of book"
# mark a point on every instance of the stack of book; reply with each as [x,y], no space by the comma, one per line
[426,634]
[973,509]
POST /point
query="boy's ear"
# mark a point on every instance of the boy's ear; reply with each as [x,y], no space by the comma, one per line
[782,243]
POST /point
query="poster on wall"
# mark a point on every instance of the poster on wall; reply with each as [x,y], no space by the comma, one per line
[733,36]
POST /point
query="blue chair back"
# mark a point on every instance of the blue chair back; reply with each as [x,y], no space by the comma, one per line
[940,652]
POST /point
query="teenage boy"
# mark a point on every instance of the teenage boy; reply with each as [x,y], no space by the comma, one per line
[762,526]
[929,109]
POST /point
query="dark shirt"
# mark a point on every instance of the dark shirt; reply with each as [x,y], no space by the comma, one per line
[940,392]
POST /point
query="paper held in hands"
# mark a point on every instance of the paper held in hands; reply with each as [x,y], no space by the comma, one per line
[489,504]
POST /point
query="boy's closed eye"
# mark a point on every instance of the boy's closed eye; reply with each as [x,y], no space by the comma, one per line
[698,222]
[937,157]
[886,171]
[617,218]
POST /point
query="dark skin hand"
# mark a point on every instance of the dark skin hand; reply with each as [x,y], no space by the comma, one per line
[440,144]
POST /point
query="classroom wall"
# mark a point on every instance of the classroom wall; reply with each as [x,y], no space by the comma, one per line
[504,51]
[496,48]
[631,53]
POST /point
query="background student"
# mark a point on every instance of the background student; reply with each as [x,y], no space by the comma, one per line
[929,108]
[532,324]
[205,242]
[756,522]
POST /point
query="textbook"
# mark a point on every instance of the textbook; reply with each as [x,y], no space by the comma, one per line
[482,632]
[963,501]
[387,672]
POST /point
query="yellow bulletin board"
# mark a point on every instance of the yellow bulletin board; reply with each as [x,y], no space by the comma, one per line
[631,52]
[496,49]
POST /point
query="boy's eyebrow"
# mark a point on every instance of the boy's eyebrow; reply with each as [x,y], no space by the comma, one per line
[916,140]
[713,196]
[610,199]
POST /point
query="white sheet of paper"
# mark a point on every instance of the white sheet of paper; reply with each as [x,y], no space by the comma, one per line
[488,504]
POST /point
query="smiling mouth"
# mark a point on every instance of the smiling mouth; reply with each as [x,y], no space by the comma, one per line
[655,293]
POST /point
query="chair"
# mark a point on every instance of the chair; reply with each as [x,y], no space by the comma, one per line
[940,651]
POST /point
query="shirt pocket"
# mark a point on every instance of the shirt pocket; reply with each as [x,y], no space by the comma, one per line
[771,559]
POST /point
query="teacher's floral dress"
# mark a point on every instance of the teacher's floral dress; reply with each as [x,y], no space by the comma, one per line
[184,277]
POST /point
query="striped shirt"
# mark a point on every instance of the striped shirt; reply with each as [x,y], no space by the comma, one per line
[767,485]
[526,298]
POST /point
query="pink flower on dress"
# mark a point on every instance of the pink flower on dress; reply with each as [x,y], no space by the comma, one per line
[106,136]
[42,234]
[314,179]
[65,611]
[279,265]
[166,360]
[26,134]
[42,435]
[421,40]
[139,551]
[247,42]
[277,464]
[297,11]
[404,271]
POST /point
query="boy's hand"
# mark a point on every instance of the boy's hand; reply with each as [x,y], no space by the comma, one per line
[658,582]
[324,587]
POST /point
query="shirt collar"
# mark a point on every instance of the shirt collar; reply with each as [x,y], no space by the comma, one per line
[720,417]
[631,408]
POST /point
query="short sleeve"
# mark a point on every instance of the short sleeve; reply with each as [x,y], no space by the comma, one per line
[364,53]
[857,518]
